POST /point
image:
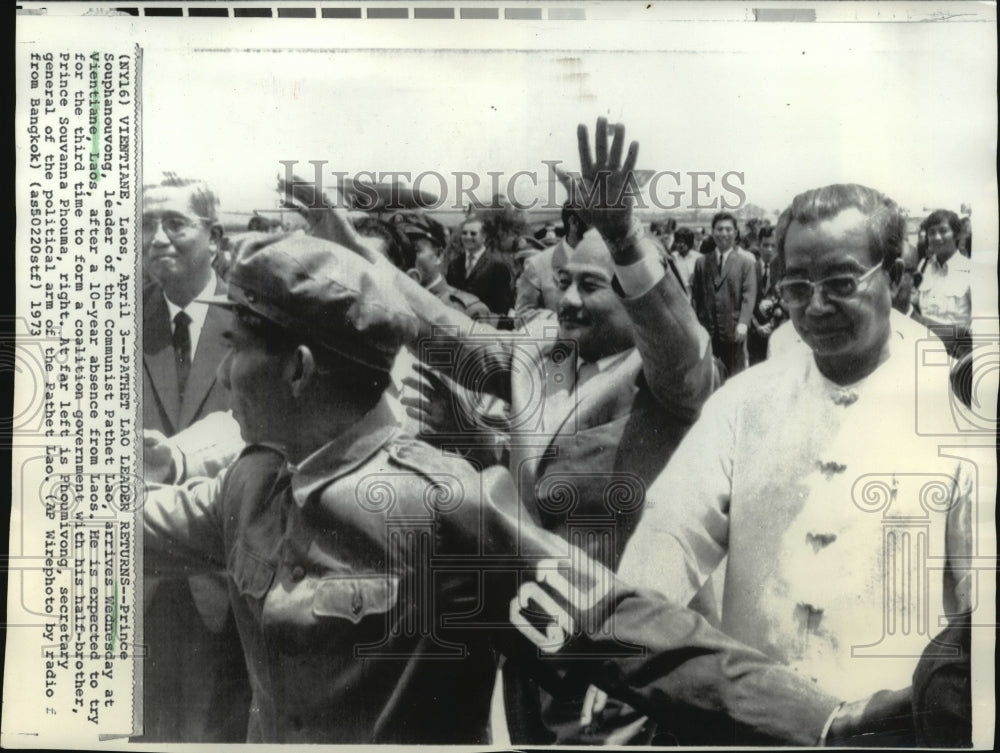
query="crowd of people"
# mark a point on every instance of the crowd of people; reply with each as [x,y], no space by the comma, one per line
[631,470]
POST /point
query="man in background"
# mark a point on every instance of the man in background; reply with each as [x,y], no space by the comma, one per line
[480,271]
[195,687]
[724,292]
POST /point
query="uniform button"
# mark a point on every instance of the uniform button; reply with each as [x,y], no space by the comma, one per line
[298,573]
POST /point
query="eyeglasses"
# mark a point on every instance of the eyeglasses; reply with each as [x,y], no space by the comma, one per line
[172,225]
[798,293]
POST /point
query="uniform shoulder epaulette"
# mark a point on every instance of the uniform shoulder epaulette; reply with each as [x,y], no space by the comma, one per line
[426,460]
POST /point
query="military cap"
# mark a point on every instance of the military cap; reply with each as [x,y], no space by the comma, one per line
[417,226]
[310,285]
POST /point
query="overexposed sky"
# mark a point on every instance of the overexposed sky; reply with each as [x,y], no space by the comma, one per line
[905,108]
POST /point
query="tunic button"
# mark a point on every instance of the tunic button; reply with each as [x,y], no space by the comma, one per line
[298,573]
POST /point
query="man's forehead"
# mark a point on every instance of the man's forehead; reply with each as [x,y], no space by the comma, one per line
[846,231]
[591,257]
[168,198]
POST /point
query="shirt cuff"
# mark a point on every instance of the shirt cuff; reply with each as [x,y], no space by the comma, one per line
[640,277]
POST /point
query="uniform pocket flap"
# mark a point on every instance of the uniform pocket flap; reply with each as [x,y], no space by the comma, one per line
[253,575]
[353,598]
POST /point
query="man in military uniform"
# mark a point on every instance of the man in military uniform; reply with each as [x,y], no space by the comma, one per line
[428,239]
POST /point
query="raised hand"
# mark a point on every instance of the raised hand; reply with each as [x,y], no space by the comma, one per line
[605,186]
[327,219]
[433,401]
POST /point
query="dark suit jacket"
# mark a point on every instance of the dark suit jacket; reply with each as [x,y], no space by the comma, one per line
[583,472]
[490,280]
[724,298]
[163,410]
[772,270]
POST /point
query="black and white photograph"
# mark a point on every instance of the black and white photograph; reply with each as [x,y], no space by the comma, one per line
[505,374]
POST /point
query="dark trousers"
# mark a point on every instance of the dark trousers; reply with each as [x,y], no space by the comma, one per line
[732,355]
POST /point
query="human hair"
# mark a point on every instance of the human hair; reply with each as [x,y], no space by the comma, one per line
[569,211]
[943,215]
[365,383]
[258,224]
[722,217]
[765,231]
[886,224]
[684,235]
[398,249]
[204,201]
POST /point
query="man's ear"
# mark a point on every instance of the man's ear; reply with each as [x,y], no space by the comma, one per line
[896,275]
[300,370]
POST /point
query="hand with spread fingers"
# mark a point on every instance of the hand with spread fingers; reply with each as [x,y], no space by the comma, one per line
[327,219]
[449,415]
[605,187]
[432,400]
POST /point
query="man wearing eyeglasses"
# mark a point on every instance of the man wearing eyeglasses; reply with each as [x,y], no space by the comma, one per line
[481,271]
[839,564]
[195,683]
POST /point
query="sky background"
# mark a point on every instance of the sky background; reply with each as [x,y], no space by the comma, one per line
[906,108]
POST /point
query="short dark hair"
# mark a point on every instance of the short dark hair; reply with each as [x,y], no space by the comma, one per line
[766,231]
[366,383]
[684,235]
[397,246]
[204,201]
[570,210]
[943,215]
[886,224]
[258,224]
[722,216]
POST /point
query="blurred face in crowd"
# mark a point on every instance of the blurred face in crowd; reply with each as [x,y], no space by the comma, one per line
[681,247]
[259,395]
[847,333]
[427,261]
[590,312]
[768,249]
[472,236]
[905,292]
[941,241]
[724,233]
[176,242]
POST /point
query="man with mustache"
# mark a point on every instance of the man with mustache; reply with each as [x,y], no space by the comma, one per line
[195,683]
[599,399]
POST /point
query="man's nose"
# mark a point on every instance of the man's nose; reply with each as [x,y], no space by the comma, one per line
[818,302]
[571,297]
[160,237]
